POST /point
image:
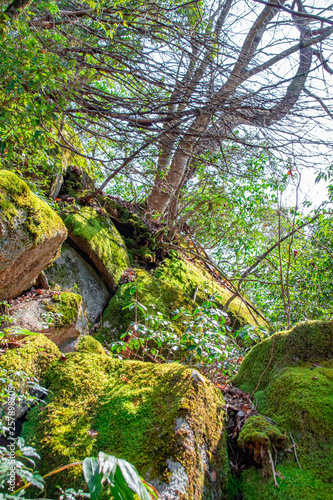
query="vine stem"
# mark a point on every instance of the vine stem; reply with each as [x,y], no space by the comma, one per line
[55,471]
[265,370]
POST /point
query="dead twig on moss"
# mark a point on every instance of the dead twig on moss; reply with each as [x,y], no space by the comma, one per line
[273,468]
[294,446]
[269,420]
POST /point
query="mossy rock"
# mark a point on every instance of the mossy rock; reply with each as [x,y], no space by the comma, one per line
[257,431]
[307,341]
[33,359]
[68,320]
[74,174]
[59,317]
[187,276]
[71,272]
[154,294]
[296,391]
[75,181]
[96,237]
[261,440]
[31,234]
[64,308]
[165,419]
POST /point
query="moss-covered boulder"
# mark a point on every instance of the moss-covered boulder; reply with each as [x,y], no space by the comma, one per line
[71,272]
[32,361]
[310,341]
[174,285]
[165,419]
[59,317]
[75,180]
[194,280]
[153,294]
[292,374]
[31,234]
[96,238]
[35,357]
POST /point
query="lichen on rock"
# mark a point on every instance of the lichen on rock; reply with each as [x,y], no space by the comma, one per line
[31,234]
[97,238]
[156,416]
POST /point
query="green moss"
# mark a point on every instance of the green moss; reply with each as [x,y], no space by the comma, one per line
[90,345]
[133,407]
[154,294]
[139,240]
[183,275]
[258,432]
[307,341]
[143,254]
[96,235]
[297,392]
[36,356]
[297,484]
[186,276]
[64,308]
[301,397]
[20,206]
[138,233]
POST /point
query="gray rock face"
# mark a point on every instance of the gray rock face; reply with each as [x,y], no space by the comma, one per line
[71,271]
[42,315]
[178,484]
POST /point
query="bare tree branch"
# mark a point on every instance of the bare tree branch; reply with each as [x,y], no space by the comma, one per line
[305,15]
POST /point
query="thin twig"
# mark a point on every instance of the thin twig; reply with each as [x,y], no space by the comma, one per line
[294,446]
[269,420]
[273,468]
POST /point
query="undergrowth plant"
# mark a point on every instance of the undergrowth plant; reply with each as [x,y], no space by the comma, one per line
[106,476]
[21,390]
[207,341]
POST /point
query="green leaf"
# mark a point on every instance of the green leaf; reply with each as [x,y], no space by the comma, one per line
[141,307]
[133,480]
[20,331]
[93,477]
[10,86]
[119,477]
[191,347]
